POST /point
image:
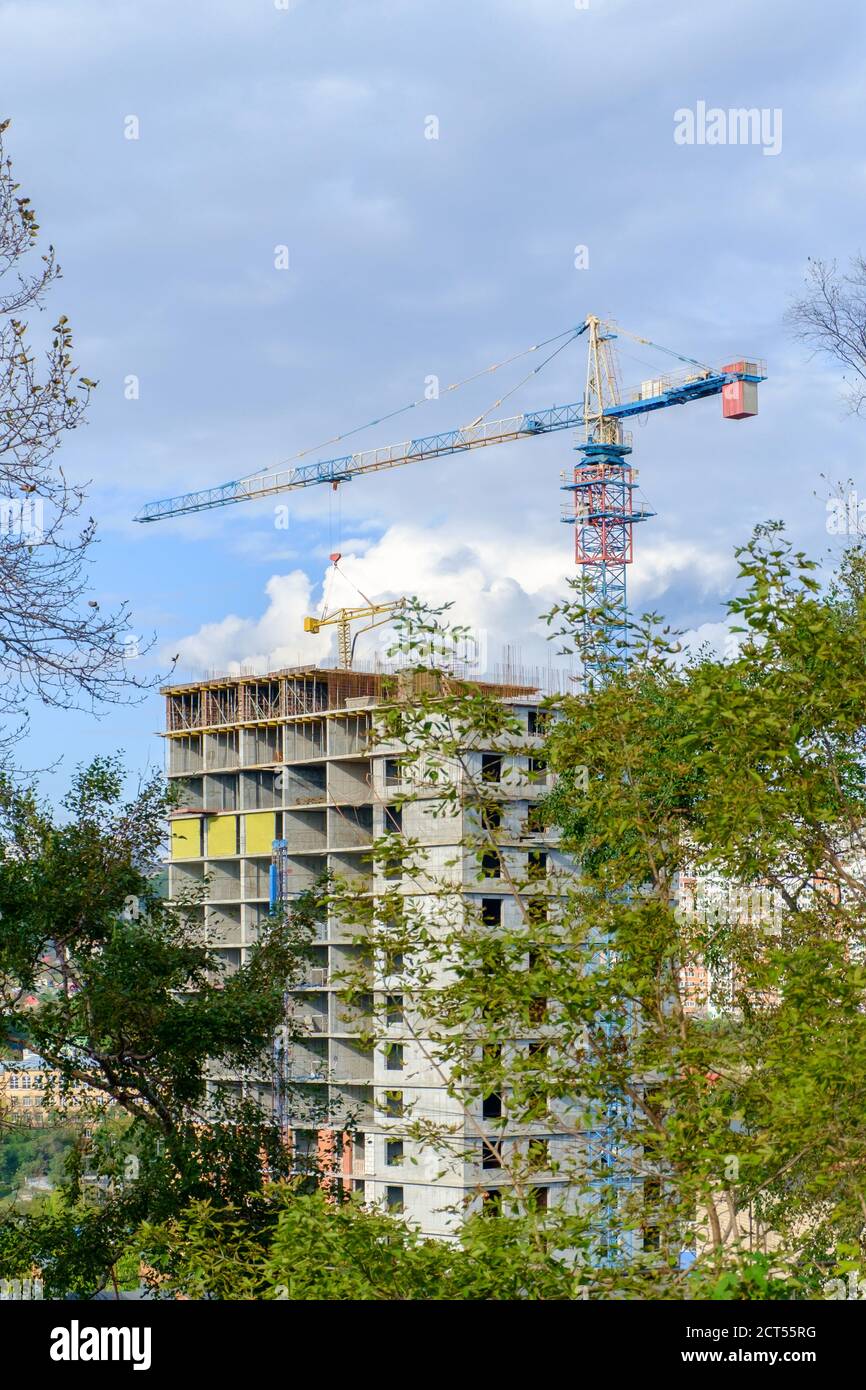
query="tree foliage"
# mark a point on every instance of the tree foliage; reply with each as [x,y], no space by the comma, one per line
[654,1056]
[312,1248]
[134,1013]
[680,1004]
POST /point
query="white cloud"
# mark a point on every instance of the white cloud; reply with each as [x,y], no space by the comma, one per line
[660,565]
[500,596]
[334,96]
[717,638]
[274,639]
[373,217]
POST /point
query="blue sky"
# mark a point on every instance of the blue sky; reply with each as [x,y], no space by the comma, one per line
[305,127]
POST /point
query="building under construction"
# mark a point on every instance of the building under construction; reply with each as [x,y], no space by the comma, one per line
[285,777]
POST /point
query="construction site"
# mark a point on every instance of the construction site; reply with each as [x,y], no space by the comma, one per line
[287,780]
[432,671]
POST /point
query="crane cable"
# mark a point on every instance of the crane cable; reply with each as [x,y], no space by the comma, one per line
[335,569]
[369,602]
[455,385]
[692,361]
[575,334]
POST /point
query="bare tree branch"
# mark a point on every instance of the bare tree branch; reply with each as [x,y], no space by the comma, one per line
[831,319]
[56,645]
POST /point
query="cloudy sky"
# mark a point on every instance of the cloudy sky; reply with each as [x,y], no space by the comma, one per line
[262,124]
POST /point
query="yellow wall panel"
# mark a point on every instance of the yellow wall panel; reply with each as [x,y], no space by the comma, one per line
[222,836]
[259,832]
[186,838]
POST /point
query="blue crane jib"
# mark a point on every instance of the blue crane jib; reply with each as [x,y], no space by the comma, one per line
[655,394]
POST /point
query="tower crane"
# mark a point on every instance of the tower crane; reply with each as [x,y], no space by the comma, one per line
[344,617]
[604,508]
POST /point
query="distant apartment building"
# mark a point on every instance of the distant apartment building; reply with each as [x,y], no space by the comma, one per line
[712,906]
[31,1092]
[292,768]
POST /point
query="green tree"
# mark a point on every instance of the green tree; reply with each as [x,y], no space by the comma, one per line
[32,1152]
[118,992]
[681,1003]
[311,1248]
[748,772]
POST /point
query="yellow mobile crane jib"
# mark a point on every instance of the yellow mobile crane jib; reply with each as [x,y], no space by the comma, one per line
[344,617]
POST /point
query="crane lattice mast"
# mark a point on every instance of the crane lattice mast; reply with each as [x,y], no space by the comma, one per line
[603,481]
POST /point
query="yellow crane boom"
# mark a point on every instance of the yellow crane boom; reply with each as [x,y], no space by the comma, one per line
[343,619]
